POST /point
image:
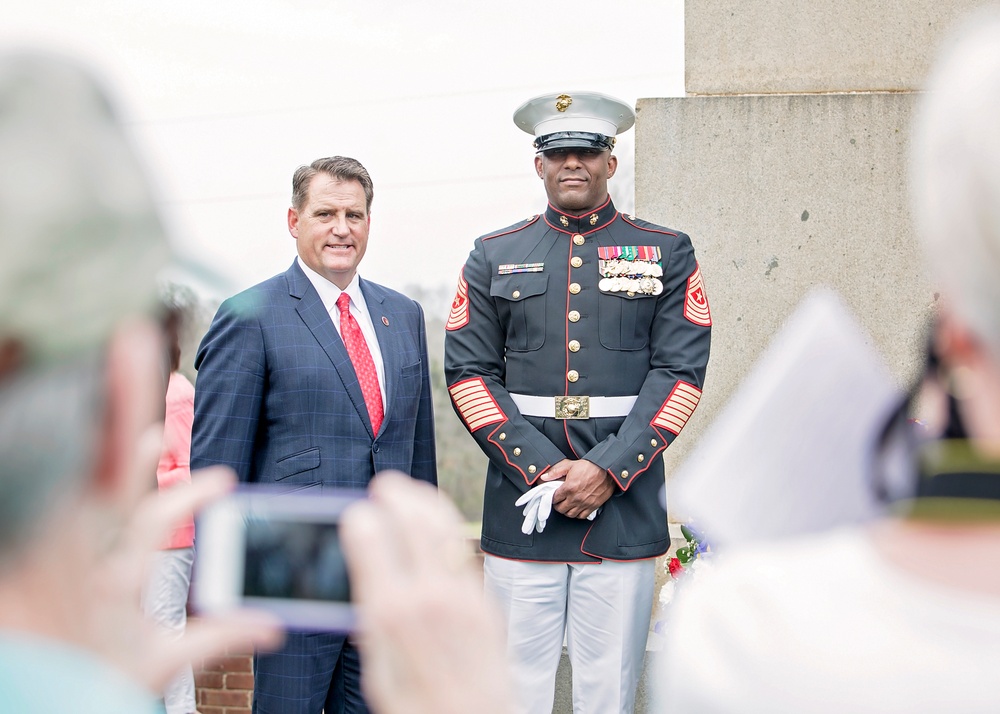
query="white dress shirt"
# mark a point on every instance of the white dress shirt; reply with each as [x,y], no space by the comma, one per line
[329,294]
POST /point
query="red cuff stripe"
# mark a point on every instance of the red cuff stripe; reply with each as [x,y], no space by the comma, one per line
[475,403]
[678,408]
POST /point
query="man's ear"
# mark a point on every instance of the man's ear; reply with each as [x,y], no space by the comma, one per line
[132,423]
[538,165]
[293,222]
[612,165]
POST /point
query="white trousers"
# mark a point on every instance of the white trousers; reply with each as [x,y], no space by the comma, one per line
[165,601]
[603,609]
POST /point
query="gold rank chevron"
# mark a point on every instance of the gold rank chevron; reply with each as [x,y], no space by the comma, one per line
[695,300]
[459,316]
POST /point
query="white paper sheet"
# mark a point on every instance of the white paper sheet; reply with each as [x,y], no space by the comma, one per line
[791,452]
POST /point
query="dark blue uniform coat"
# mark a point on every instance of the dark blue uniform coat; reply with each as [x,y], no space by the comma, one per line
[531,317]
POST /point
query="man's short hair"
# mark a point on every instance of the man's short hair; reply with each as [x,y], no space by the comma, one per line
[341,168]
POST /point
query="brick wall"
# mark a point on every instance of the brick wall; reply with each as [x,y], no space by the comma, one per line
[225,684]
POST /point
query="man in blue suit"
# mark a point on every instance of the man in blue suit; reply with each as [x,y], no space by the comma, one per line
[316,379]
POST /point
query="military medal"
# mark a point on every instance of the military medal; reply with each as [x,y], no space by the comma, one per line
[632,269]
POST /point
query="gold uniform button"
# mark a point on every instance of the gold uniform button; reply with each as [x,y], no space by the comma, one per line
[517,451]
[503,435]
[574,345]
[572,375]
[652,442]
[579,239]
[574,288]
[532,469]
[624,473]
[640,458]
[574,316]
[576,262]
[516,294]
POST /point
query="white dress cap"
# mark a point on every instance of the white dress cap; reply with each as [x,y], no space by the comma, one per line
[575,112]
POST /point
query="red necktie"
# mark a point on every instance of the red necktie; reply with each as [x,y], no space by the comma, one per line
[364,366]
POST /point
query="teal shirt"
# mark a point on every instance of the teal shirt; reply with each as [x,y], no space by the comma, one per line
[41,676]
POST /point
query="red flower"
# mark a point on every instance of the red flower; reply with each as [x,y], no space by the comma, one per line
[676,569]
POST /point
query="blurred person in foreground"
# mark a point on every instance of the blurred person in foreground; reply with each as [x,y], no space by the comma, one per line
[81,399]
[166,594]
[901,615]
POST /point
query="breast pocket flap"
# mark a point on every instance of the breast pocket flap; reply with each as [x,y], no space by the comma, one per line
[519,286]
[297,463]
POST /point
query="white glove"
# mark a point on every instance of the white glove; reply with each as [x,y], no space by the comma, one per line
[539,506]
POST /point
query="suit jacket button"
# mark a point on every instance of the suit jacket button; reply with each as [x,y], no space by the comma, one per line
[624,474]
[574,288]
[572,375]
[517,451]
[375,447]
[532,469]
[576,262]
[640,458]
[574,316]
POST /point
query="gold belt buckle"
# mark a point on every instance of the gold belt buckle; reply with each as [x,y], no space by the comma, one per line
[572,407]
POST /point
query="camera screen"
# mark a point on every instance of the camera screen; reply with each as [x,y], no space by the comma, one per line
[295,560]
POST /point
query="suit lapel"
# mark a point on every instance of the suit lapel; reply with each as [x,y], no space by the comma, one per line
[320,323]
[387,342]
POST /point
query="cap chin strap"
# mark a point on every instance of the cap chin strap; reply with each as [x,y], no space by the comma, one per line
[574,139]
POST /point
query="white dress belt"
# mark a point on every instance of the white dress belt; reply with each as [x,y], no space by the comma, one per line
[530,405]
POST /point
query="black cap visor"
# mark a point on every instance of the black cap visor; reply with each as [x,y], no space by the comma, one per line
[574,140]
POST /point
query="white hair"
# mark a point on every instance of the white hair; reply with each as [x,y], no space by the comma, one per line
[955,175]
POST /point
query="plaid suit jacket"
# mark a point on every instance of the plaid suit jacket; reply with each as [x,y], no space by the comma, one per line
[278,400]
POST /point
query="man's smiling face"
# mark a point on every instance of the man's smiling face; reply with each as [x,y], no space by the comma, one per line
[331,228]
[576,180]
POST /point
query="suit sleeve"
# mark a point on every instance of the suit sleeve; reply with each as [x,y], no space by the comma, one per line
[679,347]
[475,370]
[229,392]
[424,452]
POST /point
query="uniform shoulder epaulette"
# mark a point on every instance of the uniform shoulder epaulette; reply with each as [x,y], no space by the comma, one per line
[646,225]
[520,225]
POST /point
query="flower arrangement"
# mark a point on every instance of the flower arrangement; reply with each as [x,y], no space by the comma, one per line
[689,558]
[697,546]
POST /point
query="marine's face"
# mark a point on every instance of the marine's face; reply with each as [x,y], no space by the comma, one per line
[576,180]
[331,228]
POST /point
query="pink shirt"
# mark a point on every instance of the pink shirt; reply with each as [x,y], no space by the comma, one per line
[175,459]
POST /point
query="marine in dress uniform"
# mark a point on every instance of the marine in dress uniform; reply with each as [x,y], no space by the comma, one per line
[577,335]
